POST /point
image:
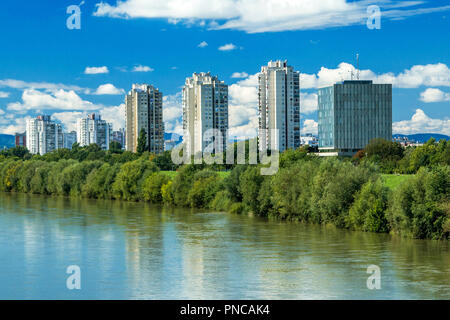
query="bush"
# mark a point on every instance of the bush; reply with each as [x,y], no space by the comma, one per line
[127,185]
[182,184]
[250,182]
[73,177]
[205,186]
[222,201]
[333,190]
[292,191]
[9,175]
[265,202]
[167,193]
[100,180]
[368,211]
[238,208]
[420,205]
[232,183]
[151,188]
[39,183]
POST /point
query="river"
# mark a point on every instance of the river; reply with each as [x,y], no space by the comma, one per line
[138,251]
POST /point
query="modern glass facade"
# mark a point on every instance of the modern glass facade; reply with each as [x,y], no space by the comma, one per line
[352,113]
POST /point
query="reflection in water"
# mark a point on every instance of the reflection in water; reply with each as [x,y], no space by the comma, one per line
[138,251]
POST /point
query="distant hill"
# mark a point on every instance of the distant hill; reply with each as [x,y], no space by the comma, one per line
[422,137]
[6,141]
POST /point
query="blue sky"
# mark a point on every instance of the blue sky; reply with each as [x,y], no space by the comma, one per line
[43,64]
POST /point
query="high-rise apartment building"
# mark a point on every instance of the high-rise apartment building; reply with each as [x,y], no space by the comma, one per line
[93,130]
[351,114]
[119,136]
[205,110]
[43,135]
[279,107]
[69,138]
[143,110]
[20,139]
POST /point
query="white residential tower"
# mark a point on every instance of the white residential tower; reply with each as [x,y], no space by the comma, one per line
[205,113]
[43,135]
[279,107]
[144,110]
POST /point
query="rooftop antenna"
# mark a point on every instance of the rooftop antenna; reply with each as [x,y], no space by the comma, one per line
[357,66]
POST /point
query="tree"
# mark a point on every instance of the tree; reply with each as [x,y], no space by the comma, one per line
[368,211]
[383,149]
[164,161]
[420,206]
[232,183]
[291,190]
[206,184]
[250,182]
[333,190]
[128,182]
[151,188]
[386,154]
[115,147]
[19,151]
[142,141]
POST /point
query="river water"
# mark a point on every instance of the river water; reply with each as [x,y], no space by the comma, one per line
[138,251]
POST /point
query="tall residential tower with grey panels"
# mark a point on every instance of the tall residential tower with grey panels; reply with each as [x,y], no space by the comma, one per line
[279,106]
[205,109]
[351,114]
[144,110]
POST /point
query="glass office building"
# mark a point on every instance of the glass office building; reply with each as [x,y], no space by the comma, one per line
[351,114]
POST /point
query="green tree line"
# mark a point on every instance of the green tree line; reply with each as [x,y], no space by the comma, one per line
[345,193]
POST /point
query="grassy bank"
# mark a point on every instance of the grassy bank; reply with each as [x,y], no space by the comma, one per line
[393,181]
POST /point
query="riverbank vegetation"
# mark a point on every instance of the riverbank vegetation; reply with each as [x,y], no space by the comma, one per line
[384,188]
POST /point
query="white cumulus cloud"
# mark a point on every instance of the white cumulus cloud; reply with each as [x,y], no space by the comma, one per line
[10,124]
[255,16]
[172,108]
[434,95]
[432,75]
[141,68]
[96,70]
[308,102]
[243,108]
[19,84]
[108,89]
[60,99]
[227,47]
[421,123]
[310,126]
[114,115]
[239,75]
[69,119]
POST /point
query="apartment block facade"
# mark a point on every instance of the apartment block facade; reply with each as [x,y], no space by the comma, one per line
[43,135]
[20,139]
[92,130]
[144,110]
[69,138]
[279,107]
[119,136]
[351,114]
[205,110]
